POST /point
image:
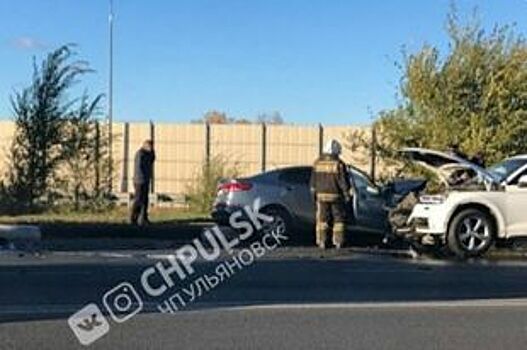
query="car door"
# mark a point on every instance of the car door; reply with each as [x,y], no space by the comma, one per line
[295,193]
[369,205]
[516,204]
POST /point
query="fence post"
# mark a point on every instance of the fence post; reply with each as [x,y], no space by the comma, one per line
[373,151]
[320,139]
[97,158]
[152,138]
[264,146]
[126,157]
[207,144]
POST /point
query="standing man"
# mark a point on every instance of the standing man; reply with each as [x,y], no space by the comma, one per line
[479,159]
[330,184]
[453,150]
[143,170]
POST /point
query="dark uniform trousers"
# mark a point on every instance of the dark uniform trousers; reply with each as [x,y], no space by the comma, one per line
[331,216]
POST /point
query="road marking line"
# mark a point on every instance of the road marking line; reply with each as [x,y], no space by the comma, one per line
[149,307]
[520,302]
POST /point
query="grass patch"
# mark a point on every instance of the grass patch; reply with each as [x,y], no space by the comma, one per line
[113,216]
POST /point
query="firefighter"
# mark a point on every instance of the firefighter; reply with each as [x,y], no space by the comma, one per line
[330,185]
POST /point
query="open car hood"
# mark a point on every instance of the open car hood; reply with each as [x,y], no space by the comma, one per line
[445,165]
[403,187]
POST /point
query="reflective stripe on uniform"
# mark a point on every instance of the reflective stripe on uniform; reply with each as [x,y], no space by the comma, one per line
[328,197]
[321,232]
[322,226]
[338,233]
[339,227]
[326,166]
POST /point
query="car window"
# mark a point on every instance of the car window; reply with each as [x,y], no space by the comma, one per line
[298,176]
[506,168]
[360,181]
[516,179]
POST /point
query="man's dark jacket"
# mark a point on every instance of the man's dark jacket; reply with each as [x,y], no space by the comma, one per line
[143,166]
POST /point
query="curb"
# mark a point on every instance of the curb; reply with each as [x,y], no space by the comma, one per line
[507,254]
[19,233]
[396,253]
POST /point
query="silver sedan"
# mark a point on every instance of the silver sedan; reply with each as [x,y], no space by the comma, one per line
[284,194]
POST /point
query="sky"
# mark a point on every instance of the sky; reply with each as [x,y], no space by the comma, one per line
[313,61]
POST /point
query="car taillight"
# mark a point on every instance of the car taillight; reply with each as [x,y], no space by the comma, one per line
[235,187]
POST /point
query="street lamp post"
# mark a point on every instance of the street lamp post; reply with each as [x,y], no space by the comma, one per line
[110,99]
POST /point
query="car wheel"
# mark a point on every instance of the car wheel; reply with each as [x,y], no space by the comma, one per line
[471,233]
[280,223]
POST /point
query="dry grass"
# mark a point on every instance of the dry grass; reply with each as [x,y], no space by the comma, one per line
[113,216]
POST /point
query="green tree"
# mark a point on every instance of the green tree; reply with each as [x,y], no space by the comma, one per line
[86,156]
[203,190]
[475,95]
[44,116]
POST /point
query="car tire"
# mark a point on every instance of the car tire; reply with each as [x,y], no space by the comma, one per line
[471,233]
[281,221]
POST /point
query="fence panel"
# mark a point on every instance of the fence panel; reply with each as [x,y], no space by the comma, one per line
[7,131]
[291,145]
[239,145]
[118,156]
[180,152]
[182,149]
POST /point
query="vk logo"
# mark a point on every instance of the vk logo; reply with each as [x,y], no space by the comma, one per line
[88,324]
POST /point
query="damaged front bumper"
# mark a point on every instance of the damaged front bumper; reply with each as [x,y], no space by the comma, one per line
[421,219]
[428,219]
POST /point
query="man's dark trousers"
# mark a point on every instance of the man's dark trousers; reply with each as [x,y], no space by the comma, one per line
[140,204]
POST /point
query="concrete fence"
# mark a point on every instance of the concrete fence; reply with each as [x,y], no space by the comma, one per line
[183,148]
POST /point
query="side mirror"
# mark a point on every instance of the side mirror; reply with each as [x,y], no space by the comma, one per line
[522,183]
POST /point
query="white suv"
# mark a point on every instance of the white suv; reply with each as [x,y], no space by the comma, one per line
[468,217]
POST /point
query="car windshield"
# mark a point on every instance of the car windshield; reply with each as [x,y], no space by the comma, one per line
[506,168]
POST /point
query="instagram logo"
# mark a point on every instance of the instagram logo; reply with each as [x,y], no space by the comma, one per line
[122,302]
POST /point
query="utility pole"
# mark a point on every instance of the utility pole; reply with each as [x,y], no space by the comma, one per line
[110,98]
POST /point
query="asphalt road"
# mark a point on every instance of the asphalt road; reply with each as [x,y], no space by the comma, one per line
[300,299]
[339,327]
